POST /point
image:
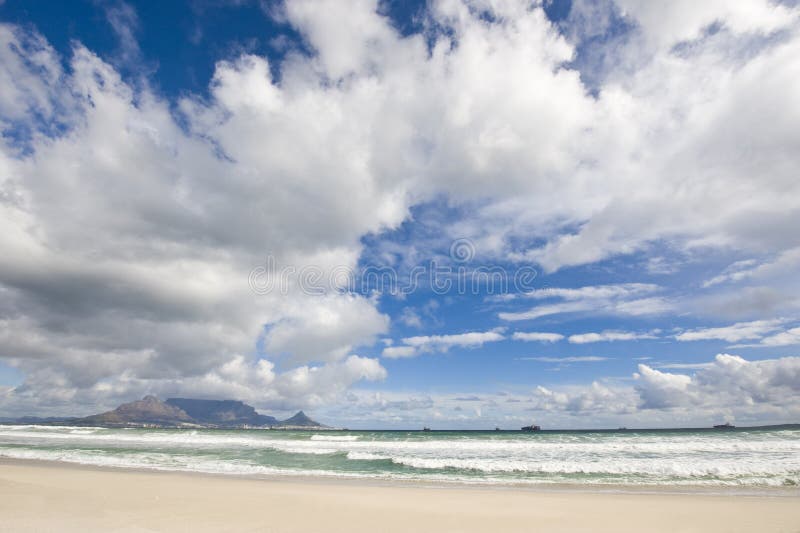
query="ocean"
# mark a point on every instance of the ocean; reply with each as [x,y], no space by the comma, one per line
[750,458]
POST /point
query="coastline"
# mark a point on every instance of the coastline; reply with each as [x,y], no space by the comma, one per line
[460,484]
[41,495]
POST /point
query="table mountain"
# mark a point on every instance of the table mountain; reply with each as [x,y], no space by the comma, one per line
[224,412]
[191,412]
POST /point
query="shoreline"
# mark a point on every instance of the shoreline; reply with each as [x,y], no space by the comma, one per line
[370,481]
[38,495]
[310,429]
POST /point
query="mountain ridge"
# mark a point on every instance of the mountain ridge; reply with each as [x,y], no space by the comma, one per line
[192,412]
[222,412]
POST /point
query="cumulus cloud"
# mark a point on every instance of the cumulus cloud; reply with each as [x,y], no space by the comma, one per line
[595,398]
[131,222]
[257,383]
[660,389]
[128,242]
[725,388]
[738,55]
[329,330]
[730,382]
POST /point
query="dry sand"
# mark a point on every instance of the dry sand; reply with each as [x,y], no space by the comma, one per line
[55,497]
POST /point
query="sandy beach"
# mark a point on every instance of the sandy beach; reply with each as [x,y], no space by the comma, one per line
[41,496]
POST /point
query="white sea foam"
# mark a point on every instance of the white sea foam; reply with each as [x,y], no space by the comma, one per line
[153,461]
[335,438]
[366,456]
[758,458]
[309,451]
[515,446]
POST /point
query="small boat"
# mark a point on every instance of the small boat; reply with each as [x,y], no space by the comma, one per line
[497,429]
[726,425]
[531,428]
[426,428]
[622,428]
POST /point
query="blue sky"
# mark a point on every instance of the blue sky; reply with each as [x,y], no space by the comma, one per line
[640,159]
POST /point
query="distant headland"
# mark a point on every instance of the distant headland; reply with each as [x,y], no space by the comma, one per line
[181,413]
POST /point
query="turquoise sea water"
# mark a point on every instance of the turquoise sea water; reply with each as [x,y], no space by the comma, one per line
[743,458]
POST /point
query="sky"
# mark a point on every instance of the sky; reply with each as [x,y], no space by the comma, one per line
[451,213]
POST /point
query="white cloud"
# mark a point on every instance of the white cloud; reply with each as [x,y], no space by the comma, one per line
[444,342]
[29,75]
[411,318]
[595,292]
[574,359]
[737,271]
[784,338]
[675,108]
[683,366]
[622,299]
[397,352]
[418,345]
[733,333]
[255,382]
[544,310]
[156,294]
[318,385]
[660,265]
[125,22]
[327,330]
[729,381]
[592,399]
[606,336]
[537,336]
[660,390]
[785,263]
[665,24]
[726,388]
[131,223]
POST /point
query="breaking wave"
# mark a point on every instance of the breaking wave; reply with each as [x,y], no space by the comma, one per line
[740,458]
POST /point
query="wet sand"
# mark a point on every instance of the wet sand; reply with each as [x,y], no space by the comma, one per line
[41,496]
